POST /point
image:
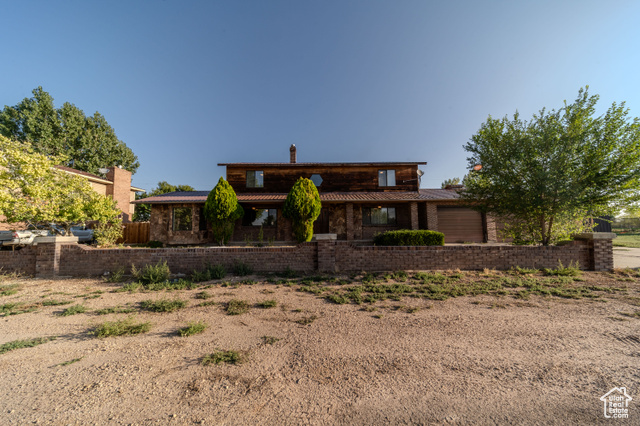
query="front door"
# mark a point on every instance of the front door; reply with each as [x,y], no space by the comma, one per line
[321,225]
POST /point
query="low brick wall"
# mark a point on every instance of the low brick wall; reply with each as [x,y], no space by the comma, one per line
[591,251]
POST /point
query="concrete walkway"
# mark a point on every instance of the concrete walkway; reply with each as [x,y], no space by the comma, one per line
[626,257]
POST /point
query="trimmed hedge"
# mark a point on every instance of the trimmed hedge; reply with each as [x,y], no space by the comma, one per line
[409,238]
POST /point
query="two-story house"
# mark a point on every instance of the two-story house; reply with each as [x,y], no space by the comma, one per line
[358,201]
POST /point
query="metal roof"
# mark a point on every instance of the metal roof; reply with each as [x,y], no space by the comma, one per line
[199,197]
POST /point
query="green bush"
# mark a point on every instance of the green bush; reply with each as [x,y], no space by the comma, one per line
[302,206]
[210,272]
[152,274]
[241,269]
[154,244]
[222,210]
[406,237]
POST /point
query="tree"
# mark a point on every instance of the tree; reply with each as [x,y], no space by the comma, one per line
[143,211]
[452,181]
[33,191]
[302,206]
[222,210]
[87,143]
[548,174]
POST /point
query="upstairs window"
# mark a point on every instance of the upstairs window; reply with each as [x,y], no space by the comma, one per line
[260,217]
[182,219]
[386,178]
[255,179]
[379,216]
[316,179]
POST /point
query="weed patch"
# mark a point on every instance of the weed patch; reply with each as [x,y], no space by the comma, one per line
[19,344]
[192,328]
[54,302]
[270,340]
[114,310]
[237,307]
[268,304]
[307,320]
[163,305]
[220,357]
[124,327]
[73,310]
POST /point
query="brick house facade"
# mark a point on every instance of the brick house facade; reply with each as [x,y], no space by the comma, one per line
[359,200]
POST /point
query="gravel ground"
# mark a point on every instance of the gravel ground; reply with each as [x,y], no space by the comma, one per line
[483,359]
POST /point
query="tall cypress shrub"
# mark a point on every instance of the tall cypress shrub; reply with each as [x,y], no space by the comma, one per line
[302,206]
[222,210]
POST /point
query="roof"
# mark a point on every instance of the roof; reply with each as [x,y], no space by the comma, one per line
[91,176]
[383,163]
[198,197]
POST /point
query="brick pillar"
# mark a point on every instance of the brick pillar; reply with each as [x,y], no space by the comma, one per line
[120,191]
[492,232]
[47,260]
[601,247]
[432,217]
[413,214]
[349,214]
[326,256]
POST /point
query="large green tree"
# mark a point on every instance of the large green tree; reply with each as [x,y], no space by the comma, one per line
[34,192]
[88,143]
[222,210]
[143,211]
[302,206]
[546,175]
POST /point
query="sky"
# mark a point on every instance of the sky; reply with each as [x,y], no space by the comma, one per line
[190,84]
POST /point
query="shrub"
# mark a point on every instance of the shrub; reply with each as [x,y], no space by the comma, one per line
[302,206]
[115,276]
[19,344]
[409,238]
[154,244]
[222,210]
[241,269]
[572,270]
[268,304]
[152,274]
[163,305]
[107,233]
[125,327]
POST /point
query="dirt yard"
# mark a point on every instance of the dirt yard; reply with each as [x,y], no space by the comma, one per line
[451,348]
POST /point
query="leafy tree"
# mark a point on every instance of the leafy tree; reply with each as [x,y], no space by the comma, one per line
[548,174]
[88,143]
[222,210]
[33,191]
[452,181]
[142,212]
[302,206]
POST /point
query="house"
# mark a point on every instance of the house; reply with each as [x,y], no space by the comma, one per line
[116,184]
[359,200]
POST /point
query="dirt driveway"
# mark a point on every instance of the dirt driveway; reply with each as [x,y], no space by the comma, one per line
[626,257]
[507,356]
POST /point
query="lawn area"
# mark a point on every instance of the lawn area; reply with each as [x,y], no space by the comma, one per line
[627,240]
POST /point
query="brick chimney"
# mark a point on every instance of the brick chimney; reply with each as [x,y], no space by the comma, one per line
[121,190]
[293,158]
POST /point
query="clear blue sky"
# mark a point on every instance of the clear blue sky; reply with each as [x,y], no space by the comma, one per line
[189,84]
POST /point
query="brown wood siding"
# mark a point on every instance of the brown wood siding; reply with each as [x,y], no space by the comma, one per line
[334,179]
[460,225]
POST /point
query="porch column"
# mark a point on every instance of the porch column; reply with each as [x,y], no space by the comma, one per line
[413,213]
[492,234]
[432,217]
[349,214]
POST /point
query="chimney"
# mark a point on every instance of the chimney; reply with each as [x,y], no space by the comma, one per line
[120,191]
[292,153]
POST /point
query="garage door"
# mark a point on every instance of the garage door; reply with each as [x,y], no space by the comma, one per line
[460,225]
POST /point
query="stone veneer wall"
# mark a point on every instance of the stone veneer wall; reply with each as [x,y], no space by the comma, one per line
[594,252]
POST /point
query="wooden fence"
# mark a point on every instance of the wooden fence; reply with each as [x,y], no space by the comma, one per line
[135,233]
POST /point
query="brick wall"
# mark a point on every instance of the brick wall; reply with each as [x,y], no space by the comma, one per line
[63,259]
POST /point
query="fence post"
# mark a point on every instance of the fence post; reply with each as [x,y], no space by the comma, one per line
[601,249]
[48,255]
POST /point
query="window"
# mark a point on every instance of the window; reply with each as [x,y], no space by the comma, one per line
[182,218]
[260,217]
[379,215]
[316,179]
[386,178]
[255,178]
[202,225]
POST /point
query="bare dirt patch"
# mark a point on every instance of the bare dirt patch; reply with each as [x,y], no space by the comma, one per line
[459,348]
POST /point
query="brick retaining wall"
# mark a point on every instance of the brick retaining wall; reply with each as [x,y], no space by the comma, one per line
[64,259]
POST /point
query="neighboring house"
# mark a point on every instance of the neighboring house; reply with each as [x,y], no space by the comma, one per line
[359,200]
[116,184]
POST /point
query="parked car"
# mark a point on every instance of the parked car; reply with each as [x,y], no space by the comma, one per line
[84,234]
[20,238]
